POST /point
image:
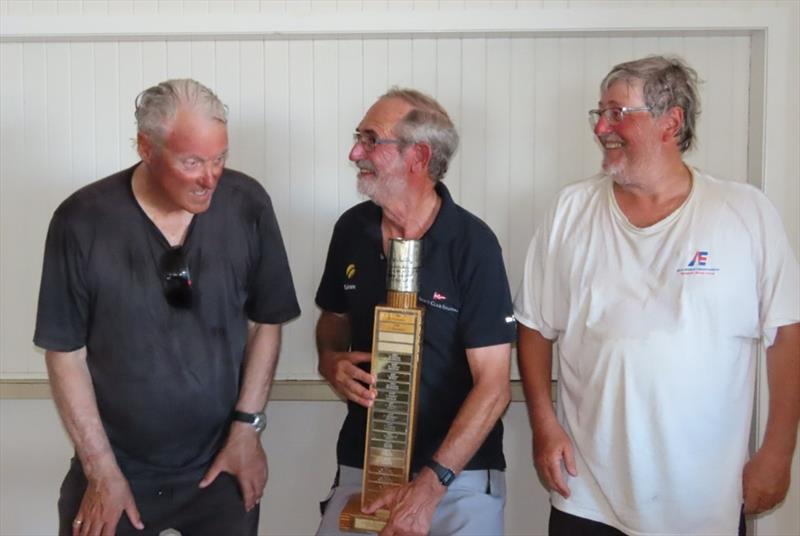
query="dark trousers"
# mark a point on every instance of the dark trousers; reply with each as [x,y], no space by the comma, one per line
[564,524]
[174,502]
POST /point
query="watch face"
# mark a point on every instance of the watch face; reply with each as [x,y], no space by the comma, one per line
[260,422]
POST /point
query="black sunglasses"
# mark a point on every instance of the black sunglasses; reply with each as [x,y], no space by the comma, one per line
[176,278]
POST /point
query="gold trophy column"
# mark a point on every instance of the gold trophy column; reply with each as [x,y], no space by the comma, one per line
[396,345]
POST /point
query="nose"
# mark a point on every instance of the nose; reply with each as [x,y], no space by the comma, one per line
[210,176]
[602,126]
[357,152]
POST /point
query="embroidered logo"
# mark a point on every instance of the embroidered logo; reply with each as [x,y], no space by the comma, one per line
[698,265]
[700,258]
[438,297]
[350,271]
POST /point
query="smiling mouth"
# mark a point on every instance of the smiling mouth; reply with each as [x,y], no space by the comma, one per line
[200,193]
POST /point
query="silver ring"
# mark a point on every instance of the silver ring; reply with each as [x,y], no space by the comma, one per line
[77,522]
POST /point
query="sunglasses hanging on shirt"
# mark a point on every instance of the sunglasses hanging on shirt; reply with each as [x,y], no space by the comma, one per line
[176,278]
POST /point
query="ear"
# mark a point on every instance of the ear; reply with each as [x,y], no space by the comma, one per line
[421,157]
[144,147]
[672,122]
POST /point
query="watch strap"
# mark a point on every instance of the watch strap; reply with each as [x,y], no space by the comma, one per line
[444,474]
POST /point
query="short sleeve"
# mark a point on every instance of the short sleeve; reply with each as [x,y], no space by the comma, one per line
[271,297]
[63,310]
[779,280]
[535,295]
[330,293]
[486,317]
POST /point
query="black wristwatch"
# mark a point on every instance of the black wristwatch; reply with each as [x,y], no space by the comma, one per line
[256,420]
[445,475]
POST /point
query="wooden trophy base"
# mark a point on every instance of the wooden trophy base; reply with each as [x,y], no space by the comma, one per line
[352,519]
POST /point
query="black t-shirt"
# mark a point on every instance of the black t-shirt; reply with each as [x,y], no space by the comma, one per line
[464,290]
[166,379]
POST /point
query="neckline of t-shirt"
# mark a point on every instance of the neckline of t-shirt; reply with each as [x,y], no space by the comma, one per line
[659,225]
[153,227]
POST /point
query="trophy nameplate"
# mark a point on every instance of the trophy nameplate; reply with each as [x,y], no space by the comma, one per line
[396,346]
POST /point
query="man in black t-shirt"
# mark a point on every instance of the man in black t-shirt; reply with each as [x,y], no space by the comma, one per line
[402,149]
[163,292]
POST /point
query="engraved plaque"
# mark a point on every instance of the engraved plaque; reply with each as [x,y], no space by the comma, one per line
[396,346]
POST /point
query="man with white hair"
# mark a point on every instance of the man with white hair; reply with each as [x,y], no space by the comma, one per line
[402,149]
[163,292]
[658,282]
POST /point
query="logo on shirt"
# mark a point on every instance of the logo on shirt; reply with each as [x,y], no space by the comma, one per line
[350,271]
[438,297]
[699,259]
[698,265]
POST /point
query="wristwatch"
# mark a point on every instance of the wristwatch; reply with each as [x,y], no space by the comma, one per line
[256,420]
[445,475]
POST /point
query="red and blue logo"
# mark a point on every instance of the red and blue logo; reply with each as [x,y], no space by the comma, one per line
[698,265]
[700,258]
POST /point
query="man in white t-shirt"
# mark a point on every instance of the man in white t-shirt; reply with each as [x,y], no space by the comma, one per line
[658,282]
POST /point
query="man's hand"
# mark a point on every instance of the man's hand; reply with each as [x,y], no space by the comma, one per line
[551,446]
[411,506]
[342,372]
[107,496]
[765,481]
[243,457]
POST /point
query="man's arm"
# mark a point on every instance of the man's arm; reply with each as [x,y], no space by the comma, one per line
[107,493]
[243,455]
[765,480]
[340,366]
[412,506]
[551,445]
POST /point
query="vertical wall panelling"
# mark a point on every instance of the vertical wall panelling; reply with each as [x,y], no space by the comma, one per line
[81,80]
[519,103]
[499,145]
[106,107]
[300,231]
[473,125]
[449,92]
[520,211]
[12,137]
[228,86]
[130,84]
[571,114]
[248,150]
[327,136]
[350,109]
[400,62]
[179,59]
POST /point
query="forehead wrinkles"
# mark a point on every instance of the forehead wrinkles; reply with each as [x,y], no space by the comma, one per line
[624,93]
[384,115]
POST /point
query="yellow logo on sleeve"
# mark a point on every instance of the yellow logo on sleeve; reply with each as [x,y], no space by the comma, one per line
[350,271]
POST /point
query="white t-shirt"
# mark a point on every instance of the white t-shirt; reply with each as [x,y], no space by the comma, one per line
[657,333]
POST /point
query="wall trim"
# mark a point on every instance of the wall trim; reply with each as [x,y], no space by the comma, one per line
[282,390]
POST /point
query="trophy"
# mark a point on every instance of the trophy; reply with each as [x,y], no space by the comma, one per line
[396,346]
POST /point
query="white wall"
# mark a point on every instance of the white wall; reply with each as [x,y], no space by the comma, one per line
[518,97]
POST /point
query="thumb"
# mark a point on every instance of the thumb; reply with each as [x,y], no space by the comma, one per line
[569,461]
[211,475]
[134,516]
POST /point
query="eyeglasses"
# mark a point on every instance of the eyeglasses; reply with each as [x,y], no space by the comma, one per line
[176,278]
[614,114]
[368,141]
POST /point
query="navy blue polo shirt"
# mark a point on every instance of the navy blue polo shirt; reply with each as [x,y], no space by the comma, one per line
[464,290]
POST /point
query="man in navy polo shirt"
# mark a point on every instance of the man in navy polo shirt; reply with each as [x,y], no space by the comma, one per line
[402,148]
